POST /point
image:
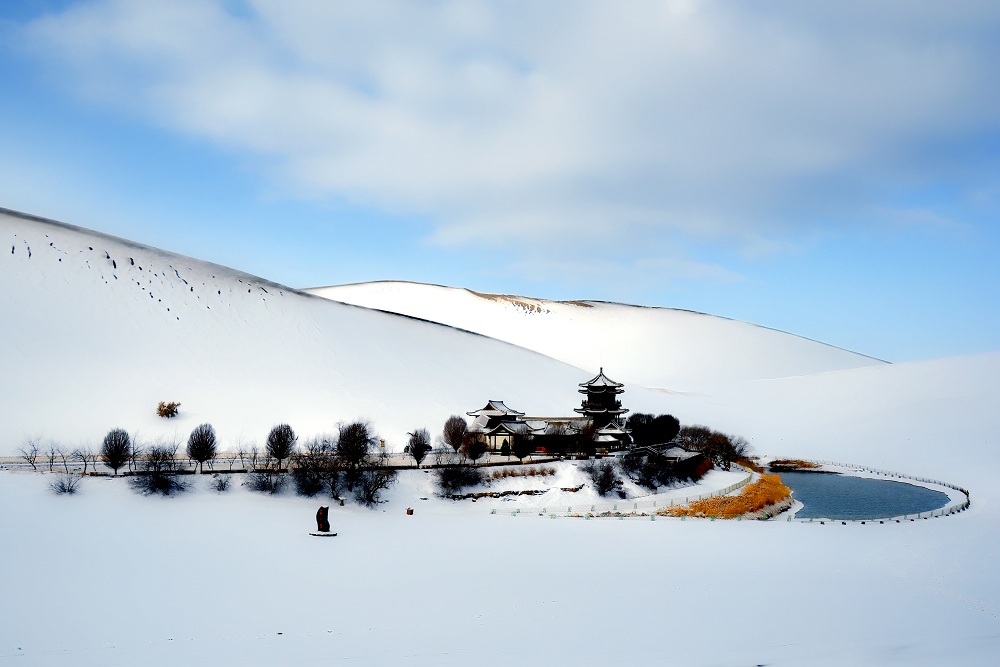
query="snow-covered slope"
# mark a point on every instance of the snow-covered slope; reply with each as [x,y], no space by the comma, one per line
[653,347]
[97,330]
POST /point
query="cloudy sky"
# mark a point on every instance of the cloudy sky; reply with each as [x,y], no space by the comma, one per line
[831,169]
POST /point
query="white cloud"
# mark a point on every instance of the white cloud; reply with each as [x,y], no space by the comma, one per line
[734,123]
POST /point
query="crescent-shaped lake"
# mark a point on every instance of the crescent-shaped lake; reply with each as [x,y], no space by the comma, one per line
[834,496]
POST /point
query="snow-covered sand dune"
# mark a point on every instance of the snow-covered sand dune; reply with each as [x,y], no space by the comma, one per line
[97,330]
[653,347]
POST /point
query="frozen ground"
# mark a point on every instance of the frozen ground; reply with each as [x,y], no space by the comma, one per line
[108,577]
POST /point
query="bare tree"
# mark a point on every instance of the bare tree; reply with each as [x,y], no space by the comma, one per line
[377,476]
[420,444]
[202,445]
[84,454]
[281,442]
[241,452]
[723,450]
[253,456]
[138,451]
[116,449]
[455,429]
[29,452]
[317,469]
[51,454]
[64,457]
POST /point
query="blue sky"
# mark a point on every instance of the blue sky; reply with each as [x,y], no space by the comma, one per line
[831,169]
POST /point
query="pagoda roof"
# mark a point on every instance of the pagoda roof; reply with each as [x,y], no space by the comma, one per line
[600,411]
[601,380]
[495,409]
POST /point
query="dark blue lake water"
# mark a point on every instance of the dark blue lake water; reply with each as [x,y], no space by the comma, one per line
[831,496]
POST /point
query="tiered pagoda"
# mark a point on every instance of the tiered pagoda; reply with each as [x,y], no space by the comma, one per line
[601,404]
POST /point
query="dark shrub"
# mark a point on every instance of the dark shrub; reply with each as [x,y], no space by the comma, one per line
[307,479]
[604,477]
[648,469]
[455,478]
[265,480]
[158,472]
[65,483]
[220,483]
[318,469]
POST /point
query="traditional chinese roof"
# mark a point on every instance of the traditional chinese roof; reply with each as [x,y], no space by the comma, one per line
[495,409]
[613,428]
[599,383]
[670,452]
[613,432]
[511,428]
[480,424]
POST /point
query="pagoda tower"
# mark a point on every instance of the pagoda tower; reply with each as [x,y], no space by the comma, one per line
[601,404]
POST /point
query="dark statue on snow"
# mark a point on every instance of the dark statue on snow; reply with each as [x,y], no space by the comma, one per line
[323,520]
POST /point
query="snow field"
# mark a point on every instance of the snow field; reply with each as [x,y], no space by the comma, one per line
[213,579]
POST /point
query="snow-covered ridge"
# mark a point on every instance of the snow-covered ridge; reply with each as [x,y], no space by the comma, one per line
[654,347]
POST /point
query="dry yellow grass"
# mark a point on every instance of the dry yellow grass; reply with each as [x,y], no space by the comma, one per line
[768,490]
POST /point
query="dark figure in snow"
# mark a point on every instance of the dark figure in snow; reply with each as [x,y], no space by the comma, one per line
[322,519]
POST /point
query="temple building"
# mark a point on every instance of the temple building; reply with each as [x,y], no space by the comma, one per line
[501,425]
[498,423]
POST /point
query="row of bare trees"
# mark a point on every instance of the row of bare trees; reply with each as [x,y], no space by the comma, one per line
[355,460]
[53,456]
